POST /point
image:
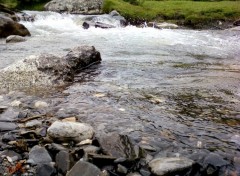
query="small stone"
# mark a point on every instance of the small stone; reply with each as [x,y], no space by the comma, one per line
[84,169]
[148,147]
[64,162]
[7,126]
[70,131]
[7,137]
[33,123]
[91,149]
[40,104]
[45,170]
[85,142]
[134,174]
[122,169]
[16,103]
[15,39]
[69,119]
[164,166]
[40,155]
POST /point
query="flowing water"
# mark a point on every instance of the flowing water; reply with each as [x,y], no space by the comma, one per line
[177,90]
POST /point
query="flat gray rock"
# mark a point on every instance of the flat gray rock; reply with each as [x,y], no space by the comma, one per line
[165,166]
[39,155]
[84,169]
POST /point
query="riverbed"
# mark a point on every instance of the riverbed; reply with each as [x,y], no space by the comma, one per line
[177,90]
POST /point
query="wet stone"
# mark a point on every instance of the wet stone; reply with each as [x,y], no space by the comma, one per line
[39,155]
[164,166]
[7,126]
[84,169]
[45,170]
[64,161]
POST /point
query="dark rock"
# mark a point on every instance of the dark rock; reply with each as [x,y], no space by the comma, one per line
[84,169]
[7,126]
[9,27]
[9,137]
[114,14]
[213,163]
[165,166]
[145,172]
[75,6]
[39,155]
[3,108]
[119,146]
[45,170]
[33,123]
[9,115]
[236,23]
[15,39]
[8,13]
[64,162]
[88,24]
[26,17]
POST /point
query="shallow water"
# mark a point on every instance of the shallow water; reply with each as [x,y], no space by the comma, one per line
[169,88]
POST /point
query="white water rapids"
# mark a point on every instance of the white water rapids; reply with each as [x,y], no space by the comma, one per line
[166,87]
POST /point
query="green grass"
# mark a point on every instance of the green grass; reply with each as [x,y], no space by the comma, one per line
[189,12]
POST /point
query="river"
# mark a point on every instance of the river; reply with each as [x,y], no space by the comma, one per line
[177,90]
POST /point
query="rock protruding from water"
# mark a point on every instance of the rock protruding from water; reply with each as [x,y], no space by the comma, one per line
[236,23]
[111,20]
[70,131]
[165,166]
[10,27]
[15,39]
[75,6]
[48,70]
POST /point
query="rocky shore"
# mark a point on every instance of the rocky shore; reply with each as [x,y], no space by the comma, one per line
[36,141]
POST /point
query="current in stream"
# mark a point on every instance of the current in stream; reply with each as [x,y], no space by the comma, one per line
[177,90]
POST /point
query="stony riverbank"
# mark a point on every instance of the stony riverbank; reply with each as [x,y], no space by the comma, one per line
[37,141]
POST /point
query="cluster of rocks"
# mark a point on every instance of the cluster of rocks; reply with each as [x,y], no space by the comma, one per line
[35,143]
[9,24]
[48,70]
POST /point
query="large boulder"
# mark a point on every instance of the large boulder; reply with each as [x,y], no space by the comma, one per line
[47,70]
[75,6]
[8,13]
[10,27]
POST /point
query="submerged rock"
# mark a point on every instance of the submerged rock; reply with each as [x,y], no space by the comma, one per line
[75,6]
[15,39]
[164,166]
[48,70]
[70,131]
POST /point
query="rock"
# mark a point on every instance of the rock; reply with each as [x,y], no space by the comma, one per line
[111,20]
[40,104]
[70,131]
[163,25]
[9,27]
[9,115]
[213,163]
[15,39]
[8,13]
[75,6]
[236,139]
[85,142]
[39,155]
[9,137]
[16,103]
[84,169]
[88,24]
[121,169]
[69,119]
[64,162]
[237,28]
[91,149]
[164,166]
[45,170]
[33,123]
[11,154]
[118,146]
[26,17]
[134,174]
[7,126]
[236,23]
[48,70]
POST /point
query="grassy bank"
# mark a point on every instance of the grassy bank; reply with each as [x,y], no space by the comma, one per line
[183,12]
